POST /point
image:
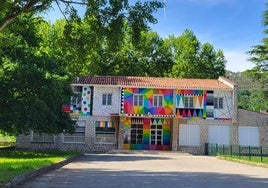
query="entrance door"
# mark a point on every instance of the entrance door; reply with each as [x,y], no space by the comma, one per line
[156,135]
[136,133]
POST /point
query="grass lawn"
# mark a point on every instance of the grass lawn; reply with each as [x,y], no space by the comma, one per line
[7,141]
[16,162]
[253,160]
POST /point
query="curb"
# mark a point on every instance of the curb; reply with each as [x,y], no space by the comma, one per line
[29,175]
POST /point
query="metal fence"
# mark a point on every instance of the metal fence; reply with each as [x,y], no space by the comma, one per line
[249,152]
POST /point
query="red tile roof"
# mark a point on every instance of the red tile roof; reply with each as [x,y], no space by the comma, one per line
[155,82]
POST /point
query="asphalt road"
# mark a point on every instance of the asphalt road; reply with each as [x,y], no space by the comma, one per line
[151,170]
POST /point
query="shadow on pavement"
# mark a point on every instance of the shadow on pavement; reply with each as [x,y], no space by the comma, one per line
[106,178]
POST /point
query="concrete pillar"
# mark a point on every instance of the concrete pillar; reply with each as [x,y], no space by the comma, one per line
[175,134]
[120,140]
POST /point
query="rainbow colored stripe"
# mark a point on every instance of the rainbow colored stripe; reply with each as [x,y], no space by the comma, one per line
[147,122]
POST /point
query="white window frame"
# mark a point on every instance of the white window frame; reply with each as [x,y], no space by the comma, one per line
[107,99]
[218,102]
[188,102]
[158,100]
[138,100]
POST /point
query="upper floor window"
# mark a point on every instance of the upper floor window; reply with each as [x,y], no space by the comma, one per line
[218,103]
[77,89]
[107,99]
[189,102]
[158,100]
[210,98]
[137,100]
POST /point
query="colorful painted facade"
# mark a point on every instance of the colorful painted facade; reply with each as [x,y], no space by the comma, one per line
[143,113]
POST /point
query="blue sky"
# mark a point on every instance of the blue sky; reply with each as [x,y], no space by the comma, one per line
[233,26]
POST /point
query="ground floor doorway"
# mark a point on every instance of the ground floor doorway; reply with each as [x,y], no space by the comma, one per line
[147,133]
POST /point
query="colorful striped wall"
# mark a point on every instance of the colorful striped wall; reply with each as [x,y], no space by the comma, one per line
[147,122]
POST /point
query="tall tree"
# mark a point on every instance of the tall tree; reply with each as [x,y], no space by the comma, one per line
[259,53]
[259,56]
[33,85]
[193,59]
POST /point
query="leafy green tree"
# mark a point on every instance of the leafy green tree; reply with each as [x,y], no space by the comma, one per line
[33,85]
[10,9]
[259,56]
[259,53]
[211,62]
[193,59]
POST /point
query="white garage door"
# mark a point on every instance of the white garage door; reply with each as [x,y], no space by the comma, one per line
[248,136]
[189,135]
[219,135]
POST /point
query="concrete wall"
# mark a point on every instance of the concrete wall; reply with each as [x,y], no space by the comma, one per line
[245,118]
[253,119]
[25,141]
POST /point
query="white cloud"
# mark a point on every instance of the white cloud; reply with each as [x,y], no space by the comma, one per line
[237,60]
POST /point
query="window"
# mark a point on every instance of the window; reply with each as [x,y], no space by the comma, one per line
[107,99]
[210,113]
[78,136]
[210,98]
[77,89]
[138,100]
[136,134]
[158,100]
[42,137]
[104,132]
[218,103]
[189,102]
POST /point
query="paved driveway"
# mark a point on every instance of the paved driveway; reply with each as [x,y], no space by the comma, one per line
[154,170]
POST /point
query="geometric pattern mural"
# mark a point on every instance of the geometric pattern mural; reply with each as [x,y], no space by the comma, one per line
[199,103]
[148,97]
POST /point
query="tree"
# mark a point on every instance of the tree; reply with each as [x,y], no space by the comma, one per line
[33,85]
[193,59]
[10,9]
[211,62]
[259,53]
[259,56]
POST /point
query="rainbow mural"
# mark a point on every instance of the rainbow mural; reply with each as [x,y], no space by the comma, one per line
[146,124]
[199,104]
[148,107]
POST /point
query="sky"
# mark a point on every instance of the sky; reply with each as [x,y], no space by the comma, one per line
[233,26]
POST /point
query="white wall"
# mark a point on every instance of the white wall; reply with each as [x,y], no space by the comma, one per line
[226,112]
[98,108]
